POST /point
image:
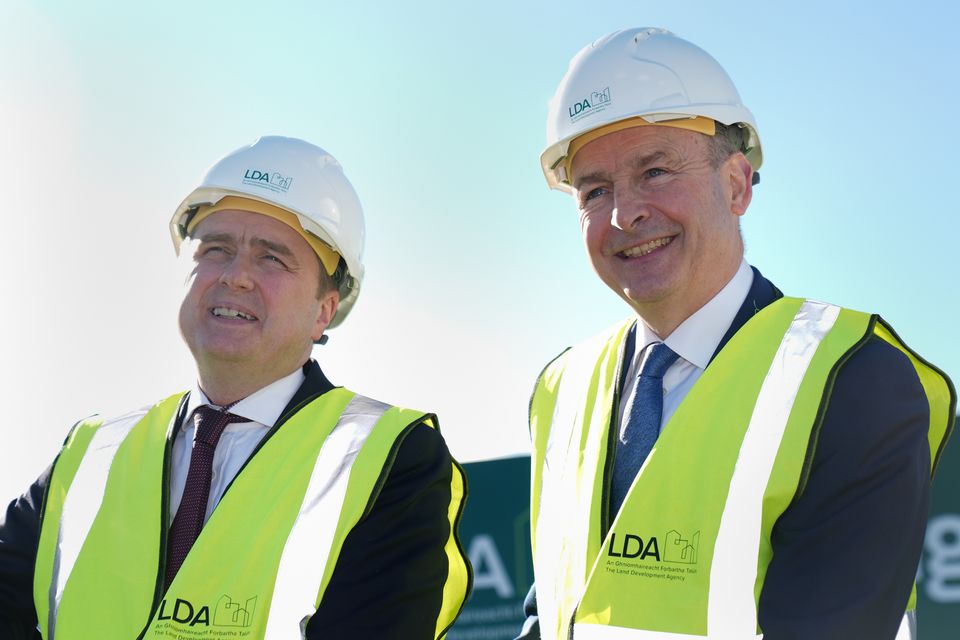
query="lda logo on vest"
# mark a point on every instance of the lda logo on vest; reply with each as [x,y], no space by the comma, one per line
[648,556]
[227,613]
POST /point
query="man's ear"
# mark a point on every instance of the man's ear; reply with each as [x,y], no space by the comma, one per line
[326,308]
[739,173]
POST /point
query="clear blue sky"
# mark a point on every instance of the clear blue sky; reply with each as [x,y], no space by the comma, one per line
[110,112]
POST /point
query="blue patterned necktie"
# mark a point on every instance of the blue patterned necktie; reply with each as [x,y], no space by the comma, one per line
[643,426]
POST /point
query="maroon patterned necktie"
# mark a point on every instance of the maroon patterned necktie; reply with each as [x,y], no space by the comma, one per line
[188,522]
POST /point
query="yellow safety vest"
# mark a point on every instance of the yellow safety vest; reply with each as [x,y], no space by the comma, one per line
[258,569]
[687,555]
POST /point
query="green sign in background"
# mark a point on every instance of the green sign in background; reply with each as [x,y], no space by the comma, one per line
[495,533]
[938,581]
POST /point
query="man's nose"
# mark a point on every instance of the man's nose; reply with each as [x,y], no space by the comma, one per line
[629,209]
[237,274]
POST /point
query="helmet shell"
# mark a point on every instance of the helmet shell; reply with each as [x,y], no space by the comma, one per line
[646,72]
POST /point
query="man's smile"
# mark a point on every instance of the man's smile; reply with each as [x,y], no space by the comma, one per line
[228,312]
[645,248]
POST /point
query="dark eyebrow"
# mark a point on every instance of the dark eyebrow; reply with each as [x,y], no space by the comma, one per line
[276,247]
[216,237]
[596,176]
[635,164]
[644,161]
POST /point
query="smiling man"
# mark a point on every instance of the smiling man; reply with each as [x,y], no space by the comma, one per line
[727,462]
[267,502]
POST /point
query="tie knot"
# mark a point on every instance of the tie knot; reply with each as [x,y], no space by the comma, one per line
[659,358]
[211,422]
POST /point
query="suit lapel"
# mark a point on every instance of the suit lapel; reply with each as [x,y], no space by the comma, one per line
[315,384]
[762,292]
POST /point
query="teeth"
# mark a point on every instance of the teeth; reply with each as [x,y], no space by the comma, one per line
[224,312]
[647,247]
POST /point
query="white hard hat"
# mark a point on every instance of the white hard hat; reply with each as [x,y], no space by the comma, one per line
[298,177]
[643,73]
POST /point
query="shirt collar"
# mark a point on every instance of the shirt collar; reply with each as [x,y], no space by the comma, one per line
[696,338]
[263,406]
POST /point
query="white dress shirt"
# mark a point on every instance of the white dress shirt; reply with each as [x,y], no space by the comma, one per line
[238,441]
[695,341]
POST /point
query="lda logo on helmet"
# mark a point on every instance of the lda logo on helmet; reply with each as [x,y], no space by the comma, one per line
[597,101]
[274,182]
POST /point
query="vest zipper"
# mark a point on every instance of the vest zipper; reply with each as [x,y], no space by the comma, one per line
[612,439]
[160,588]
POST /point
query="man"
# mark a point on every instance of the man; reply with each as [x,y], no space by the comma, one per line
[266,502]
[727,463]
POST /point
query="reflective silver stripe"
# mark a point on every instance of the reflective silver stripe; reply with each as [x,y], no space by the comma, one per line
[732,611]
[564,495]
[83,502]
[605,632]
[306,551]
[908,627]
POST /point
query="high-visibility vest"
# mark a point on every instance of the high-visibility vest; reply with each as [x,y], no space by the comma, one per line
[264,558]
[687,555]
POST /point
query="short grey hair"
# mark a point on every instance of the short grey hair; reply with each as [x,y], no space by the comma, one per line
[327,282]
[728,140]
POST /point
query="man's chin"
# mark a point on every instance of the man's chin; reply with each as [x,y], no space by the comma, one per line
[644,297]
[228,353]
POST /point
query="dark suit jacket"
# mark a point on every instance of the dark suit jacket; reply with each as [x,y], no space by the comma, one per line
[389,578]
[845,552]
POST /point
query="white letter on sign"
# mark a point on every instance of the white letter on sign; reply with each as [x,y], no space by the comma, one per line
[488,569]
